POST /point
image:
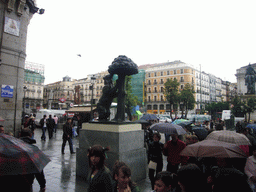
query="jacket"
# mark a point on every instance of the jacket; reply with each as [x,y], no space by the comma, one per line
[102,181]
[67,130]
[155,151]
[172,151]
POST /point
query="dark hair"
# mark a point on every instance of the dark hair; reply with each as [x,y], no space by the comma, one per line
[117,166]
[98,151]
[25,132]
[1,126]
[158,135]
[167,178]
[121,166]
[192,178]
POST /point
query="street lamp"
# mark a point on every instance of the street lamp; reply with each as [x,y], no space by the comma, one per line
[24,105]
[93,78]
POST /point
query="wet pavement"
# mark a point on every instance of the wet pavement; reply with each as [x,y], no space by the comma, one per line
[60,173]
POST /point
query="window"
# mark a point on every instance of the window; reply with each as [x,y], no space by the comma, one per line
[149,82]
[149,90]
[181,71]
[149,107]
[155,90]
[148,98]
[162,99]
[155,74]
[162,89]
[174,72]
[155,82]
[162,73]
[155,107]
[162,81]
[161,107]
[182,86]
[149,75]
[181,79]
[168,72]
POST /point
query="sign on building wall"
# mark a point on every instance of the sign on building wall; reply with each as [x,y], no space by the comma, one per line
[7,91]
[12,26]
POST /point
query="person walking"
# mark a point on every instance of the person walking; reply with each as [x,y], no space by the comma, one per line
[155,157]
[67,136]
[56,123]
[43,124]
[50,126]
[172,150]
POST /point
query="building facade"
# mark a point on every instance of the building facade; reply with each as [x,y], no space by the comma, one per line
[14,16]
[33,87]
[240,76]
[59,95]
[155,78]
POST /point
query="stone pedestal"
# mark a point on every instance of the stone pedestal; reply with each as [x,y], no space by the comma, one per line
[126,142]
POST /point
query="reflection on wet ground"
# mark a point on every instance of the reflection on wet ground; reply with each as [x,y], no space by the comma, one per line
[60,173]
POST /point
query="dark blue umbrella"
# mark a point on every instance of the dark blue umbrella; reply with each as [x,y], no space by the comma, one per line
[200,132]
[252,126]
[149,117]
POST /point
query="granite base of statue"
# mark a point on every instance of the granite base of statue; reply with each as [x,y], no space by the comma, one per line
[125,139]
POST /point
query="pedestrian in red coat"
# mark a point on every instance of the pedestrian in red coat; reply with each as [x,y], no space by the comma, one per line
[172,150]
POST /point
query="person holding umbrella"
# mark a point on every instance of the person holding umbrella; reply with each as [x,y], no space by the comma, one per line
[172,150]
[20,163]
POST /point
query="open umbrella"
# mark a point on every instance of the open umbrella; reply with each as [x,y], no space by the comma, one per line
[252,127]
[229,136]
[149,117]
[18,157]
[177,121]
[213,148]
[200,132]
[168,128]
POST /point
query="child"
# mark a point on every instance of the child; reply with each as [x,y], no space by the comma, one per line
[122,178]
[155,156]
[99,176]
[165,182]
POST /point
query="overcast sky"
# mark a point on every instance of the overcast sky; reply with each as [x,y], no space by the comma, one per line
[220,35]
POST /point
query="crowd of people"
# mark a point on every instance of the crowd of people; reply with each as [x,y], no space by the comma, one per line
[182,173]
[216,174]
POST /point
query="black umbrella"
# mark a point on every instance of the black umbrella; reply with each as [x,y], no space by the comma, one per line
[200,132]
[149,117]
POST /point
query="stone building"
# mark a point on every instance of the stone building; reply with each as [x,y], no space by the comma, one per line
[240,76]
[33,87]
[208,88]
[155,78]
[59,95]
[14,16]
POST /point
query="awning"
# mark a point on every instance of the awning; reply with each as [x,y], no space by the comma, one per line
[80,109]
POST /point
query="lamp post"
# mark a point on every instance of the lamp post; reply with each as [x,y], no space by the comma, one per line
[24,105]
[93,78]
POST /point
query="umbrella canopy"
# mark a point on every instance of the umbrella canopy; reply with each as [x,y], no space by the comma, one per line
[149,117]
[200,132]
[18,157]
[252,127]
[168,128]
[213,148]
[142,121]
[177,121]
[229,136]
